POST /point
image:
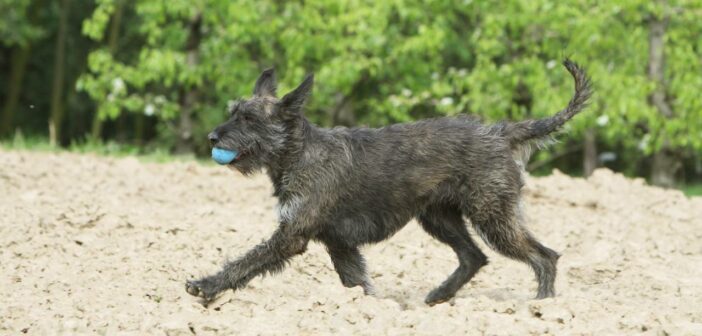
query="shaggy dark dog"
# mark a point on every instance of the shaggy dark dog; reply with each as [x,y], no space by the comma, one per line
[345,187]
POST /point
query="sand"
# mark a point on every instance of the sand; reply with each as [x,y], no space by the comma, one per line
[95,245]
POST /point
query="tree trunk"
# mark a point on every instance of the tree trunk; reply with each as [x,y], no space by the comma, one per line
[665,165]
[58,81]
[96,129]
[139,125]
[20,55]
[589,152]
[665,161]
[188,98]
[76,117]
[121,128]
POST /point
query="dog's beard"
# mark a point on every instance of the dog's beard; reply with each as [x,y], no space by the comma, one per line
[245,166]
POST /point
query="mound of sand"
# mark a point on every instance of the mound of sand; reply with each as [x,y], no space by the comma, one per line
[104,245]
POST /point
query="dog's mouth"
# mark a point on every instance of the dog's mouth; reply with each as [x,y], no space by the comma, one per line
[240,155]
[240,163]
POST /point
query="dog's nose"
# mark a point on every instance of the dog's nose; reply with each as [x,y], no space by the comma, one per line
[213,137]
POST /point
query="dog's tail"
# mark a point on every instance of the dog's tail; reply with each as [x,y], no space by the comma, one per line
[522,135]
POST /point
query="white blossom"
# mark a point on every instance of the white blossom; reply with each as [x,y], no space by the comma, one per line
[643,144]
[117,85]
[395,101]
[602,120]
[446,101]
[149,110]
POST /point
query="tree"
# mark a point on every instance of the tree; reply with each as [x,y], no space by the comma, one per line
[112,40]
[378,62]
[160,79]
[665,165]
[188,96]
[18,29]
[58,78]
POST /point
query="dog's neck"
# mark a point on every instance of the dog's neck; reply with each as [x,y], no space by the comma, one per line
[301,134]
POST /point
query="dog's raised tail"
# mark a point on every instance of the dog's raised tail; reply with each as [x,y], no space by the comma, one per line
[520,132]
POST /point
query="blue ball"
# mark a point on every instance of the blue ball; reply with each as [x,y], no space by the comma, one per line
[223,156]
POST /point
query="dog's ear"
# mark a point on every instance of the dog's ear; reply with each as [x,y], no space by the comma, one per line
[295,100]
[265,84]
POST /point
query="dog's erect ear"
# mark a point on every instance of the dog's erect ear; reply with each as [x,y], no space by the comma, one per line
[265,84]
[295,100]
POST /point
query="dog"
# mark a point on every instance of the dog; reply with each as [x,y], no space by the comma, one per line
[346,187]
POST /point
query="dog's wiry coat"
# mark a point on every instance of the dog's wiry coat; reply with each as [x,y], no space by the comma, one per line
[345,187]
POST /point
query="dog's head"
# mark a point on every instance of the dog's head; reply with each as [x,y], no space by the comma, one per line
[260,128]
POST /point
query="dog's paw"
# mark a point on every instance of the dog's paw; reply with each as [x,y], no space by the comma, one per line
[438,295]
[204,288]
[369,289]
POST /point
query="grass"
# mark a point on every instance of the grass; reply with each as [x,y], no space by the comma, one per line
[109,148]
[692,190]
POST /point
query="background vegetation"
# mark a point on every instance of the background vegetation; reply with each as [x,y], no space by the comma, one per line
[155,74]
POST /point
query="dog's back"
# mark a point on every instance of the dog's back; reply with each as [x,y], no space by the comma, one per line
[407,166]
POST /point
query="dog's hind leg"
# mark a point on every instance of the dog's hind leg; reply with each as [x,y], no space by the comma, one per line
[446,224]
[351,267]
[502,229]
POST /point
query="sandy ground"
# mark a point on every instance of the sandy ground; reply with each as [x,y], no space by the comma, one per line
[93,245]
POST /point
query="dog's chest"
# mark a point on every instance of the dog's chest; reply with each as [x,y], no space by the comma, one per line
[288,209]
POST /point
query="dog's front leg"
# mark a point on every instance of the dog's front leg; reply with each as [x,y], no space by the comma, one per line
[270,256]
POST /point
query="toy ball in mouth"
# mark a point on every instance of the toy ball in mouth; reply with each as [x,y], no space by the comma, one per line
[223,156]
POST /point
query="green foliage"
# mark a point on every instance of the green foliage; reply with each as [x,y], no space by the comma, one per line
[91,146]
[15,26]
[693,190]
[684,75]
[401,60]
[379,62]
